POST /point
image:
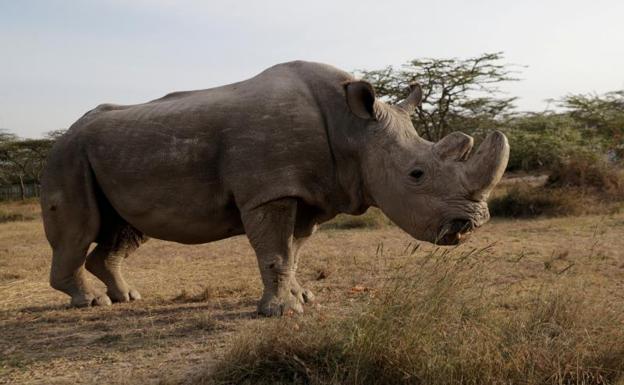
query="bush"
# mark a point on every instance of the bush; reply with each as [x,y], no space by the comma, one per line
[539,141]
[588,172]
[436,322]
[526,201]
[534,151]
[580,184]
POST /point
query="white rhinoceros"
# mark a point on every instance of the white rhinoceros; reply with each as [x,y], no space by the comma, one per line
[271,157]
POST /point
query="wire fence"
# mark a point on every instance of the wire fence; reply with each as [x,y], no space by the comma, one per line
[14,192]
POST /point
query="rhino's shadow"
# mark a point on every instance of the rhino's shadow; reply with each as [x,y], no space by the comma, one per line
[39,334]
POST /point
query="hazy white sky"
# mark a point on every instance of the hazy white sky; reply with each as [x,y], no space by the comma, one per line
[60,58]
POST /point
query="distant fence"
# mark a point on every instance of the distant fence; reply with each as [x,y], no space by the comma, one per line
[14,192]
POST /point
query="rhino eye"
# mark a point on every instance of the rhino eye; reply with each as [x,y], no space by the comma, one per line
[416,174]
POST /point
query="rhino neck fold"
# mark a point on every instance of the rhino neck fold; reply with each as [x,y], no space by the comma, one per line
[346,137]
[350,193]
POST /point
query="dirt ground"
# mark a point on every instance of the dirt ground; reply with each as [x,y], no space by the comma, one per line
[198,298]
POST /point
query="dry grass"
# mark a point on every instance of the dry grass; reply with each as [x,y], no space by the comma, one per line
[580,186]
[438,321]
[567,192]
[200,300]
[19,210]
[371,219]
[525,201]
[589,174]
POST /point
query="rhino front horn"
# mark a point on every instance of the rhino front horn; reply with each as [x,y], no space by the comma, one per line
[413,100]
[486,166]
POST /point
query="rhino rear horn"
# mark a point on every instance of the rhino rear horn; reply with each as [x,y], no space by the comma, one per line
[486,166]
[413,100]
[455,146]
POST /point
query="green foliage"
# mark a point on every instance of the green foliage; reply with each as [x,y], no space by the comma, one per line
[6,136]
[547,140]
[591,127]
[55,134]
[22,160]
[599,115]
[458,94]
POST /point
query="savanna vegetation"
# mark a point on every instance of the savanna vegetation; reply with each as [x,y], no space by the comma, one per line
[532,301]
[533,298]
[22,160]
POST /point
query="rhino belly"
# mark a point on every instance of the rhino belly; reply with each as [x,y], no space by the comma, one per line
[170,193]
[187,214]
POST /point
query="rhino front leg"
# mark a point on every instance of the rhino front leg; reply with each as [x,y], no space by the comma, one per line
[270,229]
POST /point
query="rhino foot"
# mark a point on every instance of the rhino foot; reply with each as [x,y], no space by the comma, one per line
[305,294]
[87,300]
[289,300]
[124,296]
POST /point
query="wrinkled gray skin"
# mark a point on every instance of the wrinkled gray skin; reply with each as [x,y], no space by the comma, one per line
[270,157]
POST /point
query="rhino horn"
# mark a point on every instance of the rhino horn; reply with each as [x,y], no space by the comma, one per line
[486,166]
[413,100]
[455,146]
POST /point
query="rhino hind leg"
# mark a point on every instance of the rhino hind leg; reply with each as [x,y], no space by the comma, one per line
[116,241]
[68,275]
[271,231]
[71,221]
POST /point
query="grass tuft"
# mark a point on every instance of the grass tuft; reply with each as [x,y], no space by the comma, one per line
[185,296]
[434,322]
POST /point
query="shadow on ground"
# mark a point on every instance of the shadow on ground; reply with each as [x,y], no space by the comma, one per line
[45,333]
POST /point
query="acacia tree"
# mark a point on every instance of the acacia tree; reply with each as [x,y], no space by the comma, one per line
[5,167]
[54,135]
[22,160]
[457,93]
[599,115]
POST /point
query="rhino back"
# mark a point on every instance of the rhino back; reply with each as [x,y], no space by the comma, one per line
[183,166]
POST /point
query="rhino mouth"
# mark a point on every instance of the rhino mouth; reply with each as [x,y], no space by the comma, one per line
[455,232]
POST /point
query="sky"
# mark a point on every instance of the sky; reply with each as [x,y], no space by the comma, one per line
[61,58]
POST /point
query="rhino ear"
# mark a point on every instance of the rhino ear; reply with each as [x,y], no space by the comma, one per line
[361,99]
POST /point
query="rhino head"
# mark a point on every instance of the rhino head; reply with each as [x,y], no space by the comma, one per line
[436,192]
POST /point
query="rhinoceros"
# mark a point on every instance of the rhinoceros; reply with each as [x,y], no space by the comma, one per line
[271,157]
